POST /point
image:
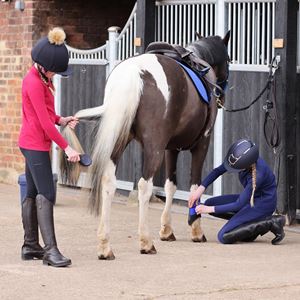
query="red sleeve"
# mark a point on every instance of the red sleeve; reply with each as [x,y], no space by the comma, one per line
[36,94]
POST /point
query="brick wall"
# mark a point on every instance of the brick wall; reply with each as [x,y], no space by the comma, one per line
[15,44]
[85,23]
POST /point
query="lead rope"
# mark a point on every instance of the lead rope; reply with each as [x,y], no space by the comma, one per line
[271,125]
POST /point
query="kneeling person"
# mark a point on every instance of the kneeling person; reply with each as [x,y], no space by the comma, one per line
[250,213]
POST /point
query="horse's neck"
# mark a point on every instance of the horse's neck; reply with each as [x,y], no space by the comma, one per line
[201,52]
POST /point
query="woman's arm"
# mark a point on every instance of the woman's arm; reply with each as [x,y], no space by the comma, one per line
[212,176]
[71,121]
[36,95]
[196,195]
[242,200]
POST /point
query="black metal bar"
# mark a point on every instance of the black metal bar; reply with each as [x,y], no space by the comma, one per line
[145,24]
[286,29]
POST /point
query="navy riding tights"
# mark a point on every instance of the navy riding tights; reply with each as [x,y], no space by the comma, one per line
[38,173]
[246,215]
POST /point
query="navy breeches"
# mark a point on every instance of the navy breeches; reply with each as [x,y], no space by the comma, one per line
[38,171]
[245,215]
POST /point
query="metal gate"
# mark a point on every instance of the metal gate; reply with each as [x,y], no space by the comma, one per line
[252,25]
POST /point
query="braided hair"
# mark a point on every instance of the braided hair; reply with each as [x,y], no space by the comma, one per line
[253,171]
[42,72]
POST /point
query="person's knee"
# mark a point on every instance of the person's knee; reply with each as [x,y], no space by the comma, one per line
[220,237]
[49,195]
[31,194]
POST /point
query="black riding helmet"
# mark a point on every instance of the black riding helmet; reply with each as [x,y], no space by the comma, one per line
[241,155]
[51,52]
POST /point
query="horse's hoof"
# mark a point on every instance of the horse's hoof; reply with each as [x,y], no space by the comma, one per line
[200,240]
[110,256]
[151,251]
[170,238]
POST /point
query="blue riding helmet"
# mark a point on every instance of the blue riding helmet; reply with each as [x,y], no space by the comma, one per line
[241,155]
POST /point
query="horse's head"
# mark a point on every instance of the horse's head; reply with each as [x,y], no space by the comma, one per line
[213,50]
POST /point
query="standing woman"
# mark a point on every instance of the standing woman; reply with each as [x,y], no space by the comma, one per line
[38,130]
[250,213]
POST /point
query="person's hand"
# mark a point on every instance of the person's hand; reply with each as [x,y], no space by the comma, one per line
[196,195]
[73,156]
[70,121]
[204,209]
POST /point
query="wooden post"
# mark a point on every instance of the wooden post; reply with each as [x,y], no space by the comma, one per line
[286,39]
[145,24]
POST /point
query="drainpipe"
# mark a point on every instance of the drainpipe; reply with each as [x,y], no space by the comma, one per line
[57,102]
[218,129]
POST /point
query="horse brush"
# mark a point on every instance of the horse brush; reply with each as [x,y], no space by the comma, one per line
[85,160]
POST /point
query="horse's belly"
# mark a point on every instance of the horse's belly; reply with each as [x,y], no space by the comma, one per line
[184,139]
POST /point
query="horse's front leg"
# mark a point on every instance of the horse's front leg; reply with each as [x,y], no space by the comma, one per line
[108,183]
[198,155]
[145,188]
[166,231]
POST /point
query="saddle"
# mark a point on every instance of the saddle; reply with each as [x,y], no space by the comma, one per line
[195,67]
[180,54]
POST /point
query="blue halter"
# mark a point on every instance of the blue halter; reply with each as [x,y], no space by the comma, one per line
[224,83]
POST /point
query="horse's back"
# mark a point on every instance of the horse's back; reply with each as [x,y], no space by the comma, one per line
[168,99]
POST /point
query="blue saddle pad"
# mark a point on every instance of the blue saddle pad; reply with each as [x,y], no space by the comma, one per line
[198,83]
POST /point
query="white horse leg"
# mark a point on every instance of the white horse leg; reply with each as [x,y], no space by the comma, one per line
[197,232]
[145,191]
[108,183]
[166,231]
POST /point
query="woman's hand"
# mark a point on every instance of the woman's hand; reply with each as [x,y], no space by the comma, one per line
[73,155]
[70,121]
[196,195]
[204,209]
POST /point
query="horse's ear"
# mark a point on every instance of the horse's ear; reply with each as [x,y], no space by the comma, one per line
[199,36]
[226,38]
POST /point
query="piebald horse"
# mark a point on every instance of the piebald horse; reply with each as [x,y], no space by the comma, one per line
[150,98]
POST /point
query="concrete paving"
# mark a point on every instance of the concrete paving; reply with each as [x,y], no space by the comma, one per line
[180,270]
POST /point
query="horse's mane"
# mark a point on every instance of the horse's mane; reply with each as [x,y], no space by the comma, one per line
[211,49]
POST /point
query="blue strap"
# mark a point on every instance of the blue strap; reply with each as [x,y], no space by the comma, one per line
[198,83]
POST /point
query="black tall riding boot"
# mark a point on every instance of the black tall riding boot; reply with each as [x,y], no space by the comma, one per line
[31,248]
[249,232]
[278,222]
[52,255]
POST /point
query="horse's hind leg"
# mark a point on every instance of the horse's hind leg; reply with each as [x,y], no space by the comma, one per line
[108,190]
[166,231]
[152,160]
[145,191]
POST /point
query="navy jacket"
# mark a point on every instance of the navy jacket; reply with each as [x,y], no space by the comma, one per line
[265,196]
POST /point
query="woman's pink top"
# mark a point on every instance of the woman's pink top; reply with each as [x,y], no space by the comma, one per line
[38,115]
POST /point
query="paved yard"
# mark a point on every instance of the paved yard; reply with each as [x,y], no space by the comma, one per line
[180,270]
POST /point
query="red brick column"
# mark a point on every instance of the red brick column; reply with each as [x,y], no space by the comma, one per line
[86,27]
[15,45]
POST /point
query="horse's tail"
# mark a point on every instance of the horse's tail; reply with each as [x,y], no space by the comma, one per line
[70,172]
[121,100]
